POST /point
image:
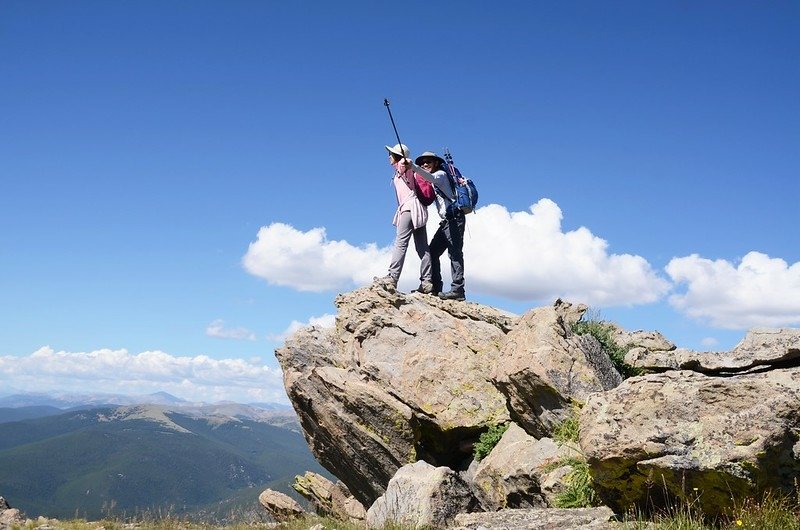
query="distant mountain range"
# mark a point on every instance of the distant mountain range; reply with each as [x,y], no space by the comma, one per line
[71,400]
[181,457]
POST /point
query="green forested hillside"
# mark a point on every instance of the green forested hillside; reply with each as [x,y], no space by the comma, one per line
[85,463]
[24,413]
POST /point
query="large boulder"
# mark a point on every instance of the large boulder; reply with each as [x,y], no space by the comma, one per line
[421,495]
[280,506]
[513,474]
[683,434]
[400,378]
[10,517]
[544,367]
[329,499]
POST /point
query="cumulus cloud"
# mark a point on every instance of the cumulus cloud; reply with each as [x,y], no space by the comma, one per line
[759,291]
[308,261]
[218,330]
[527,256]
[518,255]
[324,321]
[198,378]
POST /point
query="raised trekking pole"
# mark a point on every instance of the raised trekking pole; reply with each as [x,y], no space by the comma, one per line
[386,103]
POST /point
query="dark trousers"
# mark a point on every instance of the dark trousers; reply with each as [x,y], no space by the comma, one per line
[450,237]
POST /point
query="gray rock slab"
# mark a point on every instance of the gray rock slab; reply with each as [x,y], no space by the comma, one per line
[599,518]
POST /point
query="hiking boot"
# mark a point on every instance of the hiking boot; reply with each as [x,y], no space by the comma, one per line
[425,287]
[452,295]
[385,281]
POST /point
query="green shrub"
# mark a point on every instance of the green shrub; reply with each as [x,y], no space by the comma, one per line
[488,440]
[602,332]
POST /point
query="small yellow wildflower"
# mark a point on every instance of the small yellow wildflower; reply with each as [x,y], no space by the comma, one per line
[739,522]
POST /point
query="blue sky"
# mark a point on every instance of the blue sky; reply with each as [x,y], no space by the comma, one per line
[182,183]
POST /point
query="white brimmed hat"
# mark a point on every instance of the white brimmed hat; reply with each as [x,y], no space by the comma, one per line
[429,154]
[400,150]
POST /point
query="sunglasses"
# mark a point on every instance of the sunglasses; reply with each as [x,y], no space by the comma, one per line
[427,162]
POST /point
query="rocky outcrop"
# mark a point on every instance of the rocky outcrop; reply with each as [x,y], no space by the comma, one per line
[420,496]
[280,506]
[410,381]
[543,368]
[761,350]
[401,378]
[329,499]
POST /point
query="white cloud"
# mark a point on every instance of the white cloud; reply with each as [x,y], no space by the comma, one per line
[760,291]
[518,255]
[218,330]
[198,378]
[527,256]
[325,321]
[709,342]
[307,261]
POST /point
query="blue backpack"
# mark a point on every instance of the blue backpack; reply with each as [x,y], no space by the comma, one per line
[466,194]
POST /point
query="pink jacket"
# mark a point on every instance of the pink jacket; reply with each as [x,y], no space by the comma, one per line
[407,200]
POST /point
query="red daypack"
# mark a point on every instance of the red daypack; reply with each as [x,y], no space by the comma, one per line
[424,189]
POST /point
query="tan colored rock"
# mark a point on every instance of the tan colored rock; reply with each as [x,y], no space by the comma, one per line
[421,495]
[681,432]
[599,518]
[432,352]
[543,367]
[760,349]
[329,499]
[280,506]
[511,475]
[401,377]
[10,517]
[649,340]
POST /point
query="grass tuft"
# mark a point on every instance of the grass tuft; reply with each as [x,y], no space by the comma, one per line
[488,441]
[602,331]
[579,492]
[569,429]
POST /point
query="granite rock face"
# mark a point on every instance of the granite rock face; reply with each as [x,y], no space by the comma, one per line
[683,434]
[543,367]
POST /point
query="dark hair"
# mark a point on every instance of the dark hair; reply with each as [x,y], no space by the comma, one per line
[395,157]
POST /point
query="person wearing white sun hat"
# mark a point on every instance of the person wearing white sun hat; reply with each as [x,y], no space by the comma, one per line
[410,219]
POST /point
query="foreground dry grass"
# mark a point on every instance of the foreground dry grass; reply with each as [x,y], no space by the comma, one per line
[770,513]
